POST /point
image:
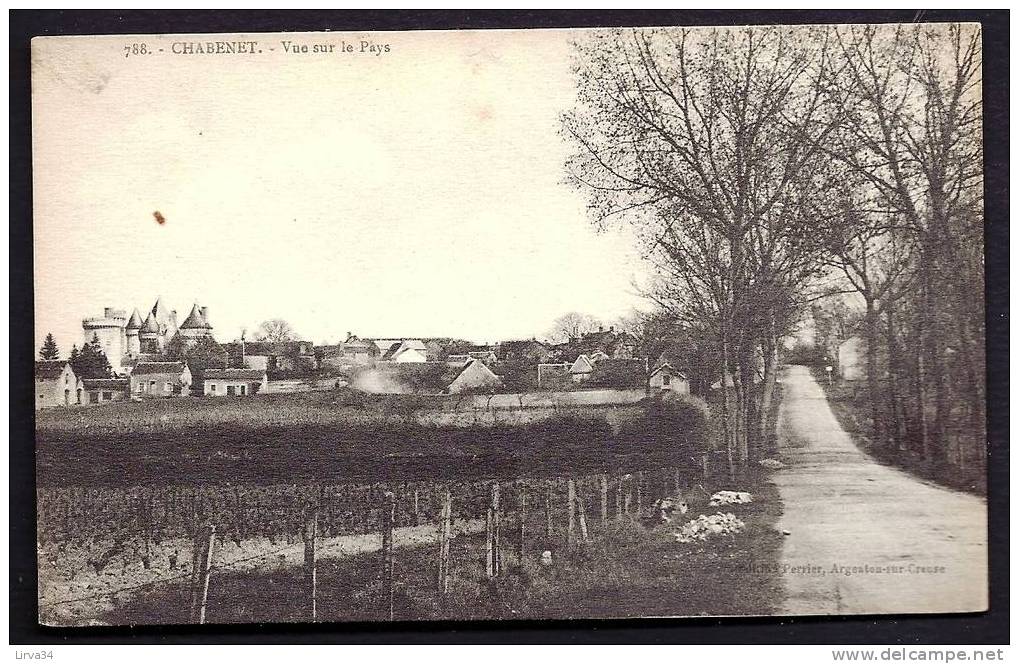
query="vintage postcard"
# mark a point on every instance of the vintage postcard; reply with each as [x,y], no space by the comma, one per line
[509,324]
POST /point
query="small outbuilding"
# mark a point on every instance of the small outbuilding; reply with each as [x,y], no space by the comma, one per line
[666,378]
[56,384]
[474,377]
[104,390]
[233,382]
[160,379]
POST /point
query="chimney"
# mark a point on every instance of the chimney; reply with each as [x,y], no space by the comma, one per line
[612,328]
[107,312]
[601,329]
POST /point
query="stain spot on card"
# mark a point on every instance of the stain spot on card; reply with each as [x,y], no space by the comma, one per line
[99,83]
[160,219]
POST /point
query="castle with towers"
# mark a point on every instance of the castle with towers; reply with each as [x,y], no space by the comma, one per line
[128,340]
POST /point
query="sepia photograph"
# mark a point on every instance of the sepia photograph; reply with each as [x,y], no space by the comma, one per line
[513,324]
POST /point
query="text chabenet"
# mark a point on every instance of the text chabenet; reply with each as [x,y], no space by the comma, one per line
[215,47]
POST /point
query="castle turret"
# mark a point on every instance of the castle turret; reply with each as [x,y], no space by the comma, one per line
[131,334]
[194,326]
[148,335]
[109,330]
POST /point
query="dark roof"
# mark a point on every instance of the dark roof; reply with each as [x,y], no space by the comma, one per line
[391,350]
[280,347]
[607,341]
[674,371]
[158,368]
[194,320]
[233,374]
[49,368]
[105,383]
[150,324]
[522,347]
[136,321]
[268,347]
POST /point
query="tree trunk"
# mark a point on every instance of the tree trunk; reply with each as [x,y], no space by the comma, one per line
[726,407]
[769,347]
[873,386]
[894,369]
[748,404]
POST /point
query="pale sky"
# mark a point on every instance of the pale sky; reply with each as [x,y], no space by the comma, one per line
[415,193]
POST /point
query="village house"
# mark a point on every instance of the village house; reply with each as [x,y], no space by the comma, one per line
[233,382]
[618,345]
[160,379]
[600,370]
[529,351]
[351,353]
[474,377]
[403,351]
[667,378]
[272,356]
[583,367]
[104,390]
[485,355]
[56,384]
[426,378]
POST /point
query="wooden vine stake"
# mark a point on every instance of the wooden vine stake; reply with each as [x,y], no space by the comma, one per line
[492,561]
[571,509]
[445,532]
[200,591]
[581,513]
[549,527]
[310,537]
[640,493]
[604,499]
[388,559]
[522,521]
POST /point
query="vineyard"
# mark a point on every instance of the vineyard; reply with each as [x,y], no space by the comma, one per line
[114,534]
[102,549]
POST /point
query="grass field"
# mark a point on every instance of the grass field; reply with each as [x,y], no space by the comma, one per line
[344,436]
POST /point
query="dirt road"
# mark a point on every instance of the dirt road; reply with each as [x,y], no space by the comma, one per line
[863,537]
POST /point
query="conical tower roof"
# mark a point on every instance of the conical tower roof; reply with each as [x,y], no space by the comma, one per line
[160,310]
[136,321]
[194,320]
[150,324]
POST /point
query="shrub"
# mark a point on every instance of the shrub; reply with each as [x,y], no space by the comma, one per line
[674,420]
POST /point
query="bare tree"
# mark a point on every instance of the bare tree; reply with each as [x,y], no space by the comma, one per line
[571,326]
[275,330]
[911,130]
[706,143]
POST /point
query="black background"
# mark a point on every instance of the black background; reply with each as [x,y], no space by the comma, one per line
[990,627]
